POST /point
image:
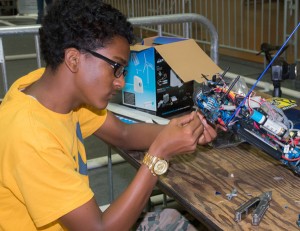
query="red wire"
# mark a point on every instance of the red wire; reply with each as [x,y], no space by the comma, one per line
[283,157]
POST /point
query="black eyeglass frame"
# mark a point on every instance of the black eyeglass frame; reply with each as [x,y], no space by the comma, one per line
[115,65]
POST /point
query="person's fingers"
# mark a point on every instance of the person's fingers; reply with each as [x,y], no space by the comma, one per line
[183,120]
[215,126]
[209,132]
[201,116]
[199,132]
[212,129]
[190,123]
[220,127]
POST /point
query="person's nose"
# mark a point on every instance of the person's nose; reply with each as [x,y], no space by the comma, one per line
[119,83]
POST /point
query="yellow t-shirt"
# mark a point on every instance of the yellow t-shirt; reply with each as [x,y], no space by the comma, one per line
[43,171]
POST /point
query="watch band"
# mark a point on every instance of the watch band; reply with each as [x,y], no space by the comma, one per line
[156,165]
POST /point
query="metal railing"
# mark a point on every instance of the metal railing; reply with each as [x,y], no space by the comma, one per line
[158,21]
[13,31]
[161,20]
[242,25]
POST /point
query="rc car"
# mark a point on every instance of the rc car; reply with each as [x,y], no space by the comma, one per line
[253,118]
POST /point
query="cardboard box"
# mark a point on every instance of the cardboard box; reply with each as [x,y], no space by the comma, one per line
[161,75]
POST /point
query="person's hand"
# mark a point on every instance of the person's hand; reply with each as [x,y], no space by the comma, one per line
[181,135]
[210,131]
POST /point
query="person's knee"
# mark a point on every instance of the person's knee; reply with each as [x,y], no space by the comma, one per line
[167,219]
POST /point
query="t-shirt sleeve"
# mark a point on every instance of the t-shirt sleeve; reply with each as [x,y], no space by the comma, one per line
[90,119]
[49,186]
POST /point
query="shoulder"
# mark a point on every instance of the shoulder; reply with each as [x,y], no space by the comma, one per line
[90,119]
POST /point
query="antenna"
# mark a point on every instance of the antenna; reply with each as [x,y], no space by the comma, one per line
[262,74]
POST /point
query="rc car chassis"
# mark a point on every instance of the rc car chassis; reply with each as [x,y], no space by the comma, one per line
[251,117]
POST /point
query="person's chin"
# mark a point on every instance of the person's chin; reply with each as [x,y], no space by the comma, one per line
[101,105]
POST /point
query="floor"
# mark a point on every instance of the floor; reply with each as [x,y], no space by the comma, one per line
[122,172]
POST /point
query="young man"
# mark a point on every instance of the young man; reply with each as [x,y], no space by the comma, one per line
[46,114]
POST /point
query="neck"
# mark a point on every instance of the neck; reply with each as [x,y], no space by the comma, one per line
[54,91]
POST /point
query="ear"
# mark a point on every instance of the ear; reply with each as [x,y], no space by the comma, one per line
[72,56]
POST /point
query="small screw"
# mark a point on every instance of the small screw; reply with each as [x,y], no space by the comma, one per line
[232,194]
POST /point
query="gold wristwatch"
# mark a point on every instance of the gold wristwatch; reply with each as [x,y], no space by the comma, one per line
[156,165]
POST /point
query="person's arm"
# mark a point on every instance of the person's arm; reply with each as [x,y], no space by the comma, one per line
[137,136]
[121,214]
[181,135]
[141,135]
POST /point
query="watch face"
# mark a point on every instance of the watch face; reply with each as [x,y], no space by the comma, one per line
[160,167]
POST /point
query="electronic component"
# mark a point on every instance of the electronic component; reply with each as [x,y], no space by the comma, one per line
[276,128]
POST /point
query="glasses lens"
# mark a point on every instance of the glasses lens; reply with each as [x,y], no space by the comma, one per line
[125,73]
[119,71]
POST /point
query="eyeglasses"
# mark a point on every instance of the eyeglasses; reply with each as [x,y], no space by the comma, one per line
[119,69]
